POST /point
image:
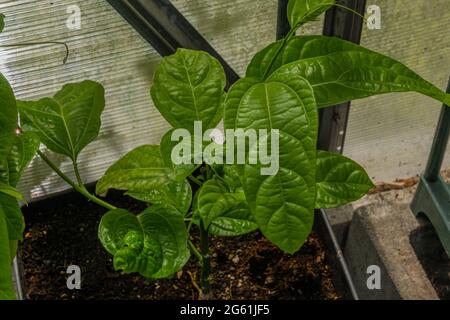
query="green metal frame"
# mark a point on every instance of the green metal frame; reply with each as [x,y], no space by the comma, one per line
[432,197]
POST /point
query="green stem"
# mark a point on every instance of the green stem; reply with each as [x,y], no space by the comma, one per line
[81,189]
[217,175]
[26,44]
[190,225]
[292,32]
[206,260]
[286,39]
[195,251]
[350,10]
[77,174]
[195,180]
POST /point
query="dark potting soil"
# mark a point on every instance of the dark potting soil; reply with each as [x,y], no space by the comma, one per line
[61,233]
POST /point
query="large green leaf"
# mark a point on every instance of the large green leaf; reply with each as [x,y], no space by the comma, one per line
[282,204]
[174,193]
[180,171]
[24,148]
[300,12]
[224,213]
[343,76]
[339,180]
[297,48]
[143,173]
[189,86]
[340,71]
[13,216]
[6,285]
[231,176]
[140,169]
[6,189]
[235,222]
[8,124]
[154,243]
[69,121]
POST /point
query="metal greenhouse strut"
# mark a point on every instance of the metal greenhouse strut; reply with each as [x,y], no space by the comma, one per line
[432,197]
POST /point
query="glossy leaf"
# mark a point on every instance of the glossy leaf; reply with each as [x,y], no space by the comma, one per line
[339,180]
[189,86]
[301,11]
[6,285]
[135,171]
[181,171]
[13,216]
[297,48]
[174,193]
[8,124]
[235,222]
[339,71]
[11,220]
[232,176]
[24,148]
[153,243]
[143,173]
[69,121]
[282,204]
[6,189]
[224,213]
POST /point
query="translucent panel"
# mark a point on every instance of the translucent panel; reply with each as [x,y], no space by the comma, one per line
[237,29]
[106,49]
[391,135]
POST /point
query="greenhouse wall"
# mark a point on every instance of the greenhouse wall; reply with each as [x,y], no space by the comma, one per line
[272,212]
[108,50]
[390,135]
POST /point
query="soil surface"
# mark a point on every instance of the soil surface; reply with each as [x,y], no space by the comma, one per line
[63,232]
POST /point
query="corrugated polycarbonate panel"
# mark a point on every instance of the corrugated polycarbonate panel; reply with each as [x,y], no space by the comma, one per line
[391,135]
[108,50]
[237,29]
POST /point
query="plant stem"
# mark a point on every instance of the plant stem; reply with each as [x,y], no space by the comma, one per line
[195,180]
[81,189]
[216,173]
[190,225]
[206,259]
[195,251]
[292,32]
[283,44]
[77,173]
[350,10]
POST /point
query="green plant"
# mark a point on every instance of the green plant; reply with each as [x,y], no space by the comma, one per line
[17,149]
[285,85]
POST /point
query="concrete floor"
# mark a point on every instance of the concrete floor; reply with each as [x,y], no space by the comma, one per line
[381,230]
